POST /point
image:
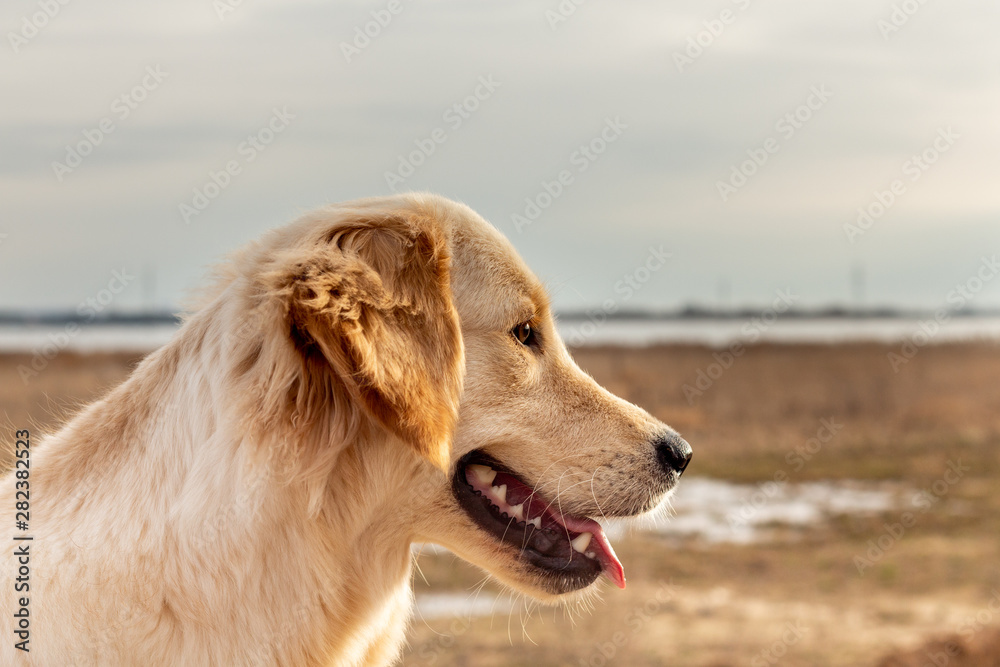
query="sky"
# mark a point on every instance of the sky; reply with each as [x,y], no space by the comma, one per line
[710,153]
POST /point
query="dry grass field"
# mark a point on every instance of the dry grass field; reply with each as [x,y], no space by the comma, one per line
[933,595]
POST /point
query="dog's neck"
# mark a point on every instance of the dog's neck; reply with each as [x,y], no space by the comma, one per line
[301,581]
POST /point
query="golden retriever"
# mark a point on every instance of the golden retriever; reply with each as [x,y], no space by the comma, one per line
[378,373]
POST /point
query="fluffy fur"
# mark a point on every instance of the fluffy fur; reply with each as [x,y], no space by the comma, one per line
[249,496]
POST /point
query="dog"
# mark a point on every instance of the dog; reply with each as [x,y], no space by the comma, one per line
[378,373]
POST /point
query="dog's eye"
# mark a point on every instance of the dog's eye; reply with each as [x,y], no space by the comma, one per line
[525,334]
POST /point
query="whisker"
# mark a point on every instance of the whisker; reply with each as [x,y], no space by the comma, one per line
[416,564]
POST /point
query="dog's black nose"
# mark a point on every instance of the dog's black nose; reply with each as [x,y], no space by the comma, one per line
[673,453]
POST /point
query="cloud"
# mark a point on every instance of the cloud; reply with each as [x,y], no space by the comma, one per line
[686,131]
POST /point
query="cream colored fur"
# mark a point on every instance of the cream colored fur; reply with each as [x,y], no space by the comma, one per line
[249,496]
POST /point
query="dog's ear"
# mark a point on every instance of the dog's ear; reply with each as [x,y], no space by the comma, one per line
[374,298]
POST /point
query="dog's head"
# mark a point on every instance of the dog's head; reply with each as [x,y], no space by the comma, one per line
[420,312]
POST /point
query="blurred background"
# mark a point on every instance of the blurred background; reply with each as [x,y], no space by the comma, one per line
[773,224]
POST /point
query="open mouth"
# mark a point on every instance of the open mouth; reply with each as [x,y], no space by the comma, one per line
[572,549]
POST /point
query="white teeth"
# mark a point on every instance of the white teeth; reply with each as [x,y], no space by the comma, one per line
[484,474]
[581,542]
[536,522]
[500,493]
[590,554]
[518,512]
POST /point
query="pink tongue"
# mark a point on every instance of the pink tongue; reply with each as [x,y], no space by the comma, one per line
[600,545]
[534,506]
